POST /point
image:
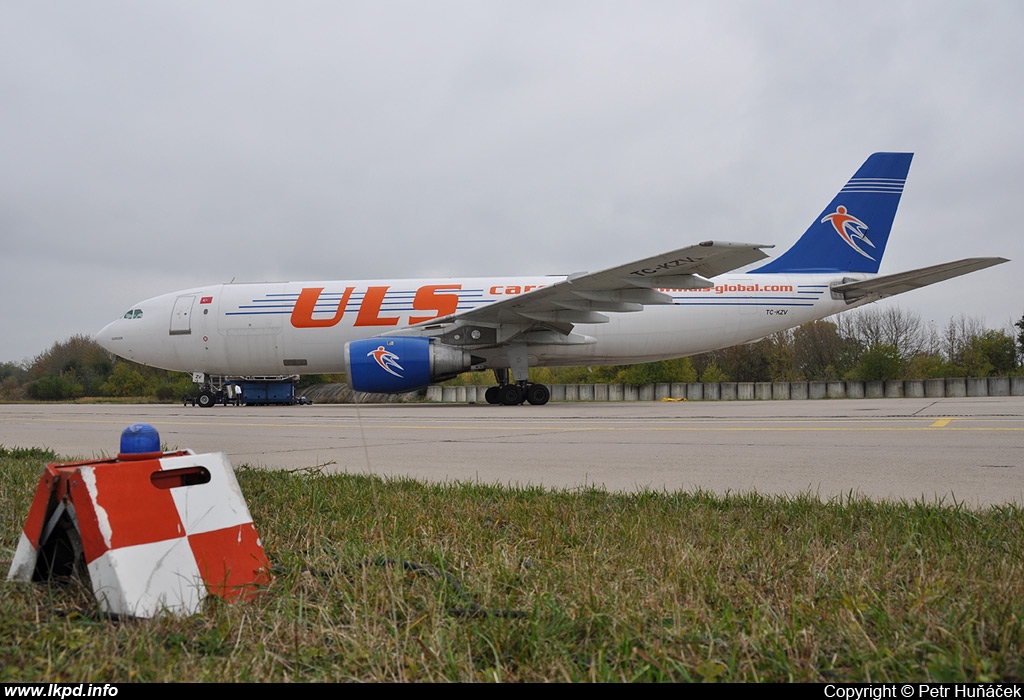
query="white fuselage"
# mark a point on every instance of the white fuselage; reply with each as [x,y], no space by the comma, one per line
[302,327]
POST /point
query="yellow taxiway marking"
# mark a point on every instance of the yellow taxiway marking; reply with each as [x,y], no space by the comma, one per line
[941,423]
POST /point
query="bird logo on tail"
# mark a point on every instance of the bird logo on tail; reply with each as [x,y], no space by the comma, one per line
[850,229]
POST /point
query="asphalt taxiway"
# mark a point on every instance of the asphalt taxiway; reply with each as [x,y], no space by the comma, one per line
[957,450]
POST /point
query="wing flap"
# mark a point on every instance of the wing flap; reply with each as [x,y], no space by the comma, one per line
[707,259]
[890,285]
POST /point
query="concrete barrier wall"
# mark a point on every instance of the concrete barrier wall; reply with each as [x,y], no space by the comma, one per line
[757,391]
[998,386]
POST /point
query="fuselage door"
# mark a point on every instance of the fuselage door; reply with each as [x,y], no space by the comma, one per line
[181,316]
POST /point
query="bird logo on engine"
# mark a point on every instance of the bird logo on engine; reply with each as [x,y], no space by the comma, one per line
[387,360]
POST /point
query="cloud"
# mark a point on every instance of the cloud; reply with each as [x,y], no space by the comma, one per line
[149,148]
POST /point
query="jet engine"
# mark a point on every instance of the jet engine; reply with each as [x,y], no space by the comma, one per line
[395,365]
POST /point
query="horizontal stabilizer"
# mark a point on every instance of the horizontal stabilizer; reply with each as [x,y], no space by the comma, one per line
[889,285]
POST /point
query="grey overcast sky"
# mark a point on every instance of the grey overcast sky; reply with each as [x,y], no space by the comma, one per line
[150,147]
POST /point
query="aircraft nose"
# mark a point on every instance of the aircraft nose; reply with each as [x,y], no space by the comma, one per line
[108,337]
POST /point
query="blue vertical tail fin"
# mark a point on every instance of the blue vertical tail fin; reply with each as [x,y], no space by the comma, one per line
[851,233]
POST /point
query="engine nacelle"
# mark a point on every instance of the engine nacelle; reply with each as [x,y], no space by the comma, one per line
[395,365]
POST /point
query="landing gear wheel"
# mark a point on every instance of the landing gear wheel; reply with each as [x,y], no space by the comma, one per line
[206,399]
[492,395]
[537,394]
[511,395]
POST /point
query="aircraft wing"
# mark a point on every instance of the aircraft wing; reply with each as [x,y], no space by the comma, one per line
[889,285]
[583,297]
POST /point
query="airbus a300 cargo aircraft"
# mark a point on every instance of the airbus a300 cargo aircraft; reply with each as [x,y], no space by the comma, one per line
[395,336]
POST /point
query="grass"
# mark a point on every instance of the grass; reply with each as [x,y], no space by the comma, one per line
[580,585]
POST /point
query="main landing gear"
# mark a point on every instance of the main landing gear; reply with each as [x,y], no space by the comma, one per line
[516,393]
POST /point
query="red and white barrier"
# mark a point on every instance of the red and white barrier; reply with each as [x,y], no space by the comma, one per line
[157,531]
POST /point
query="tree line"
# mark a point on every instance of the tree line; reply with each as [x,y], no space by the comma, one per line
[868,344]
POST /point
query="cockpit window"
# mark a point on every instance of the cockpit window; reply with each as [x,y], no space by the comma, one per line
[133,313]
